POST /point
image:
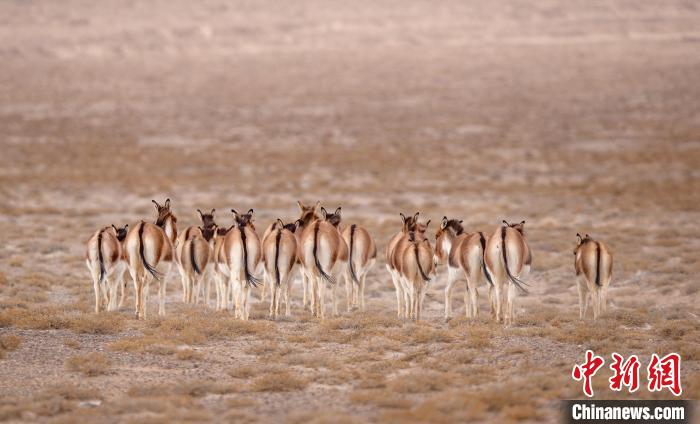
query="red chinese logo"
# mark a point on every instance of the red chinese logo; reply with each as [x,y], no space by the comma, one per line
[665,373]
[625,373]
[587,370]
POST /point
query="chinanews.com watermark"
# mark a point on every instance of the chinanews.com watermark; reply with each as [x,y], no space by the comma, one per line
[662,374]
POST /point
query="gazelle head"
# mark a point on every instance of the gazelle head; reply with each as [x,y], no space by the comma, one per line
[449,228]
[209,232]
[580,241]
[332,218]
[207,218]
[164,213]
[243,219]
[308,213]
[121,232]
[292,227]
[409,223]
[520,226]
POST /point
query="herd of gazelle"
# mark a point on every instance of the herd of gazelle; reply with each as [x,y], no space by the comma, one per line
[324,252]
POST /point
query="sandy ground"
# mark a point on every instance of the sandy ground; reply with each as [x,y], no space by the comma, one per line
[577,117]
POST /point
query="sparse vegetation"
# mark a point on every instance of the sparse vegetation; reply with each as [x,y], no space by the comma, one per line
[90,364]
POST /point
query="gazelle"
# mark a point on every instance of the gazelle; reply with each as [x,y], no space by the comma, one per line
[319,252]
[220,269]
[307,215]
[104,259]
[393,252]
[593,263]
[195,255]
[242,253]
[341,267]
[279,256]
[362,254]
[149,248]
[414,264]
[207,231]
[464,254]
[508,260]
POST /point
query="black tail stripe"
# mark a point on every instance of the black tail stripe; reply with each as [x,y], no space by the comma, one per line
[325,276]
[597,264]
[193,257]
[154,272]
[352,244]
[250,280]
[518,283]
[278,237]
[483,260]
[420,267]
[99,255]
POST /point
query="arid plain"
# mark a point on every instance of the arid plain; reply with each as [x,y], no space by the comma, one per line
[576,117]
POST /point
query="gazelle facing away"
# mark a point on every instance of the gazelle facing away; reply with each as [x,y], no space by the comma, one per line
[149,248]
[508,260]
[104,259]
[195,255]
[207,231]
[242,252]
[279,256]
[394,254]
[362,254]
[593,263]
[307,215]
[220,269]
[414,266]
[319,251]
[464,255]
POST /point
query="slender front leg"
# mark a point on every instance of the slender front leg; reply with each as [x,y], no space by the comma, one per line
[448,295]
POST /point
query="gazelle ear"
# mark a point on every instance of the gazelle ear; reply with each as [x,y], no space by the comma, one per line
[505,222]
[200,213]
[297,224]
[323,212]
[522,223]
[115,228]
[234,212]
[337,211]
[279,222]
[427,223]
[415,217]
[301,205]
[250,211]
[167,203]
[579,237]
[317,205]
[155,203]
[126,226]
[444,222]
[403,217]
[200,228]
[212,212]
[587,236]
[460,221]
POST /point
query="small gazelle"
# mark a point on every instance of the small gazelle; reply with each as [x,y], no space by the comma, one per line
[242,252]
[508,261]
[104,259]
[593,264]
[279,255]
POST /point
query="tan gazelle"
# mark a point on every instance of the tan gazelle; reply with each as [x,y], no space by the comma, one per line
[279,255]
[508,261]
[149,248]
[242,252]
[104,259]
[340,270]
[394,253]
[195,254]
[464,255]
[208,227]
[593,264]
[220,269]
[319,250]
[362,254]
[415,264]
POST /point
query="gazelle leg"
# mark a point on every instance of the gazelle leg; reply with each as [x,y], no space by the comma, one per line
[467,304]
[273,294]
[349,291]
[287,289]
[362,292]
[399,293]
[305,289]
[448,295]
[98,294]
[582,299]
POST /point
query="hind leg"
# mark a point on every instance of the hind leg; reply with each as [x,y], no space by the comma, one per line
[349,292]
[510,312]
[98,294]
[399,293]
[161,291]
[362,292]
[582,298]
[273,295]
[448,295]
[245,293]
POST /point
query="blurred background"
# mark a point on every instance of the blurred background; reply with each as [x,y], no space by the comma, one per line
[574,116]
